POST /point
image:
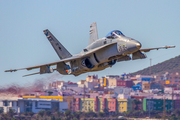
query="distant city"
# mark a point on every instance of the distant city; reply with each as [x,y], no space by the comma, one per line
[111,92]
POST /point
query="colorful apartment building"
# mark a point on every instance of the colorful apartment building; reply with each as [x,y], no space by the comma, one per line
[92,78]
[124,83]
[174,78]
[113,82]
[177,104]
[145,78]
[146,85]
[99,104]
[111,104]
[124,105]
[138,86]
[102,104]
[157,104]
[155,85]
[71,102]
[85,104]
[103,82]
[96,104]
[77,104]
[88,104]
[55,84]
[143,85]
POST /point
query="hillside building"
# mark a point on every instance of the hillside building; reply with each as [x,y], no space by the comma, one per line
[145,78]
[174,78]
[122,90]
[67,85]
[146,85]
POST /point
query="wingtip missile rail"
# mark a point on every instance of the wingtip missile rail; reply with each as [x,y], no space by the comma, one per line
[173,46]
[10,70]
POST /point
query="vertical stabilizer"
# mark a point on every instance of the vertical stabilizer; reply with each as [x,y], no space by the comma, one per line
[93,33]
[58,47]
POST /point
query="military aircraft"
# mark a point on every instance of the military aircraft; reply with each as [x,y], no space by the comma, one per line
[98,55]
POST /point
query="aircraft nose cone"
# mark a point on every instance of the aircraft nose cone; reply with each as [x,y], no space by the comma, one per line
[138,45]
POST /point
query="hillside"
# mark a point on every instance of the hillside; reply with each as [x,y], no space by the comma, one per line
[171,65]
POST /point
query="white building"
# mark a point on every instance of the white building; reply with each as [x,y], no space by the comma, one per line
[32,104]
[66,85]
[88,85]
[144,78]
[9,102]
[112,76]
[36,105]
[166,96]
[122,90]
[123,96]
[168,90]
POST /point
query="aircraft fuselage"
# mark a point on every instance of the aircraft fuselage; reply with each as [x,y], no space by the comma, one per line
[105,57]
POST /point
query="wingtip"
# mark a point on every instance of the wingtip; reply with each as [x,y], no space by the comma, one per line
[25,75]
[10,70]
[45,30]
[173,46]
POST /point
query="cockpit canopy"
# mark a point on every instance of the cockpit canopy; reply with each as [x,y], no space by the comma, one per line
[113,34]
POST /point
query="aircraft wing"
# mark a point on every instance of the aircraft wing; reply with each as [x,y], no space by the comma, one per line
[49,64]
[64,60]
[148,49]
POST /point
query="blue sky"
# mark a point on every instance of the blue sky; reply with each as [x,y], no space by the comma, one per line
[23,44]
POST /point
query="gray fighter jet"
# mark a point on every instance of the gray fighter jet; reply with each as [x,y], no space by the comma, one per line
[98,55]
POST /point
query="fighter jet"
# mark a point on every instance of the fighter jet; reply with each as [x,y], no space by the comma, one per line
[98,55]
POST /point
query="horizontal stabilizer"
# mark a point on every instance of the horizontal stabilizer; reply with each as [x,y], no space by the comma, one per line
[34,73]
[31,74]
